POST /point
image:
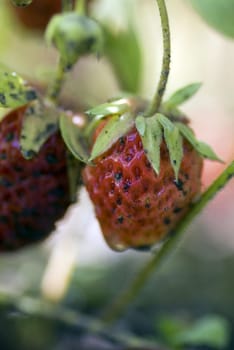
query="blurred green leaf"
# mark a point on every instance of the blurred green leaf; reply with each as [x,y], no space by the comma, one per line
[124,52]
[115,128]
[40,122]
[182,95]
[73,137]
[210,330]
[217,13]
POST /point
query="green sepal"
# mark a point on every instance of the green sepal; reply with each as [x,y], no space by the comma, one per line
[74,175]
[182,95]
[39,123]
[202,148]
[115,107]
[115,128]
[173,141]
[73,137]
[13,90]
[150,131]
[140,124]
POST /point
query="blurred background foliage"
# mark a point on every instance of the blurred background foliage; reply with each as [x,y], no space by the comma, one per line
[189,303]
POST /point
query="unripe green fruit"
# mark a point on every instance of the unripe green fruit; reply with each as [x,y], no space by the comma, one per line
[74,35]
[21,3]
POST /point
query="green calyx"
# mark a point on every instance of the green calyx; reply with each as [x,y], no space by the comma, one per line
[74,35]
[121,115]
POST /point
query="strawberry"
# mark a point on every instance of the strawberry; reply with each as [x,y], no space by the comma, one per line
[34,193]
[135,206]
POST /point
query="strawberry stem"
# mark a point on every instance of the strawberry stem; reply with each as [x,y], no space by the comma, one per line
[57,83]
[80,7]
[157,99]
[128,295]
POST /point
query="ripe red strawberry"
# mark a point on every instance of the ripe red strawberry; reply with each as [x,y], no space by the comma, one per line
[33,193]
[136,207]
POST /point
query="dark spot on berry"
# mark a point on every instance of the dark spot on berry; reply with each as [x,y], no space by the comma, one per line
[57,192]
[30,95]
[119,201]
[177,210]
[167,221]
[3,219]
[174,161]
[186,176]
[5,182]
[118,176]
[3,156]
[147,205]
[120,219]
[179,184]
[18,168]
[29,154]
[122,141]
[126,186]
[51,158]
[9,136]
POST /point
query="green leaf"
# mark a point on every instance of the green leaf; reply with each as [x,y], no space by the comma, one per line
[40,122]
[140,125]
[151,139]
[174,142]
[73,137]
[13,90]
[115,128]
[114,107]
[124,52]
[74,174]
[217,13]
[202,148]
[182,95]
[211,331]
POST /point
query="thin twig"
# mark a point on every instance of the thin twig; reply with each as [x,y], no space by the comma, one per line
[121,303]
[41,308]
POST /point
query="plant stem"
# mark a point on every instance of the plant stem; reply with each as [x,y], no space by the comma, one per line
[67,5]
[57,83]
[37,307]
[157,99]
[128,295]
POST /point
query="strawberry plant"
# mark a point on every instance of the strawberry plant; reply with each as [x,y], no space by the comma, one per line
[138,158]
